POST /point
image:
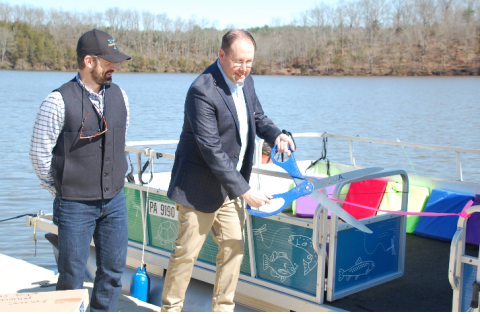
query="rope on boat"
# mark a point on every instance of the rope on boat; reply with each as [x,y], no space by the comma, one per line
[323,156]
[129,176]
[149,163]
[462,214]
[20,216]
[398,140]
[34,221]
[35,234]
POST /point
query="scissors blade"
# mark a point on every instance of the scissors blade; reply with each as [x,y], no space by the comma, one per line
[337,210]
[298,181]
[342,177]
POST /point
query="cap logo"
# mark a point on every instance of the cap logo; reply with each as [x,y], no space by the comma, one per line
[112,43]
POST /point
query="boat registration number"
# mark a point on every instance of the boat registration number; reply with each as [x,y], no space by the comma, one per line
[162,210]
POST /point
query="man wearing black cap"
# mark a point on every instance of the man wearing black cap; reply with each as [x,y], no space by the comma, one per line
[77,151]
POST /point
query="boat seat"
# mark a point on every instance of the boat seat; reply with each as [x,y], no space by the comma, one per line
[441,228]
[417,199]
[367,193]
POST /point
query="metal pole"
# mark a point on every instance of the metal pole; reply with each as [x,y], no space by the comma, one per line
[251,243]
[459,166]
[142,199]
[352,159]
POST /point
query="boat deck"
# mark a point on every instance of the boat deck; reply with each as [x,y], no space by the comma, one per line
[423,288]
[21,277]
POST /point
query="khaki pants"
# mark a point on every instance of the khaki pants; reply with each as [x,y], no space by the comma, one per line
[227,225]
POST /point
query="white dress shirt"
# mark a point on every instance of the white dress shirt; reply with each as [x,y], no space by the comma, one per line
[241,107]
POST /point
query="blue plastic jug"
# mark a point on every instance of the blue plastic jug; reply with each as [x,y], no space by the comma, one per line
[140,285]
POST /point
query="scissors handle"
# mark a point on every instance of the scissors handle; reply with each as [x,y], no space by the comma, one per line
[289,166]
[302,189]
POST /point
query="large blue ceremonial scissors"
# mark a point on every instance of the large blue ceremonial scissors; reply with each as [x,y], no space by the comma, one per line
[313,189]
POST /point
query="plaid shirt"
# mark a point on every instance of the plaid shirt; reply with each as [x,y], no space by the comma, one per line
[47,129]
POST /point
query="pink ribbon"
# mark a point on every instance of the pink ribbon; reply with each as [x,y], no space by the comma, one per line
[462,214]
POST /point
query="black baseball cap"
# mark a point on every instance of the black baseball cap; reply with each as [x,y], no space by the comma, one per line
[100,44]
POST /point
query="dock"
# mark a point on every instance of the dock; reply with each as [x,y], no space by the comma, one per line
[19,276]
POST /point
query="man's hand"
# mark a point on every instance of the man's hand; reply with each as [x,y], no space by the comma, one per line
[282,143]
[256,198]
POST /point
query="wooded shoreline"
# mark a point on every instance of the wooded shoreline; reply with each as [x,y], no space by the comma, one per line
[354,38]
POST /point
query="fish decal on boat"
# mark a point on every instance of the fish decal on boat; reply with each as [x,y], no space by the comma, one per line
[260,231]
[359,269]
[391,248]
[280,265]
[306,244]
[136,207]
[167,232]
[263,229]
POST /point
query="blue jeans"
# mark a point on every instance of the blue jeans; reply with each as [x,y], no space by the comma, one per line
[107,222]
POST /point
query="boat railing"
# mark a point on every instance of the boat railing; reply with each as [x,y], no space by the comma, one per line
[352,139]
[149,152]
[257,160]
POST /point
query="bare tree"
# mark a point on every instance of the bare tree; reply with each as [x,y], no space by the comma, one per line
[113,17]
[6,41]
[5,12]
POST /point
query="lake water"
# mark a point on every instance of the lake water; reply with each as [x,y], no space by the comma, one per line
[438,111]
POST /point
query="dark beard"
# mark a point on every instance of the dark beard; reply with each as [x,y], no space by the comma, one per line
[101,79]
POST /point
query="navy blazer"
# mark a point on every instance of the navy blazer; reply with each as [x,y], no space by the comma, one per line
[204,171]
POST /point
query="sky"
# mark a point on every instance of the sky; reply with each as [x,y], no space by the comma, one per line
[241,14]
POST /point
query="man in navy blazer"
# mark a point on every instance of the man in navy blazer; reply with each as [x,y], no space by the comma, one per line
[212,168]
